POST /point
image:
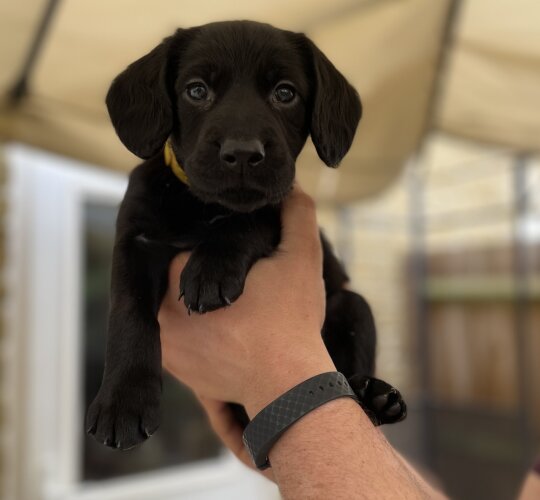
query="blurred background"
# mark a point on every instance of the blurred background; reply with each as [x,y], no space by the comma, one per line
[435,212]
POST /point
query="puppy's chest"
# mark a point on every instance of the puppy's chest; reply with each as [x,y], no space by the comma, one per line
[167,212]
[183,213]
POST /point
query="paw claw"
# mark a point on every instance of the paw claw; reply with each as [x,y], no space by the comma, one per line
[211,282]
[120,417]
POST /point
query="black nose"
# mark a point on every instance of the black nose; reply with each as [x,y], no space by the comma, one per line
[241,153]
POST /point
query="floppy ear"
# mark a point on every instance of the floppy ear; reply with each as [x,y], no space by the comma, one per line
[336,110]
[139,101]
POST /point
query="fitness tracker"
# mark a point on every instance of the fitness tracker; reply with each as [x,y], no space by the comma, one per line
[272,421]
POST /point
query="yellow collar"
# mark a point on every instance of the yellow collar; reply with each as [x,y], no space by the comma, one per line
[171,161]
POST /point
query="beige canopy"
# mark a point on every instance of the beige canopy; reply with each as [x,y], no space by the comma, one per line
[488,90]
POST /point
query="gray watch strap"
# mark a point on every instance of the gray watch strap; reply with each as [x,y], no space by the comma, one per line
[271,422]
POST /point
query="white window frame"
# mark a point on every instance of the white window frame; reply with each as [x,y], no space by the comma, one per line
[43,348]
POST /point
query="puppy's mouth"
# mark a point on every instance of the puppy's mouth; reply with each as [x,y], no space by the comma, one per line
[240,199]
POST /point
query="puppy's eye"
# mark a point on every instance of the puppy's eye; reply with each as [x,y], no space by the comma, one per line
[284,93]
[197,91]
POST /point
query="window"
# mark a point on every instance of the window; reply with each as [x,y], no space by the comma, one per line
[60,238]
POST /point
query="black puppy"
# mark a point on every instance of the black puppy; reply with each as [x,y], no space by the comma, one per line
[231,104]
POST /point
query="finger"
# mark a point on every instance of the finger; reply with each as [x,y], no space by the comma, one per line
[223,422]
[229,431]
[226,427]
[300,233]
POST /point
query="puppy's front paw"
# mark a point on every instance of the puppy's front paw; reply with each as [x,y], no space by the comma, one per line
[124,417]
[208,283]
[382,403]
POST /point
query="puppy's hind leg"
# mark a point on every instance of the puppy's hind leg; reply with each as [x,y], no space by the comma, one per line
[350,337]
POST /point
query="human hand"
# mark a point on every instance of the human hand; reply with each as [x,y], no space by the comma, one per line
[270,339]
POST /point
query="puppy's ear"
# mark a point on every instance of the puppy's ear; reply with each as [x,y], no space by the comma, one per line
[336,109]
[139,99]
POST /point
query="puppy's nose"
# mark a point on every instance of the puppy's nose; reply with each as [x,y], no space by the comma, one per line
[241,153]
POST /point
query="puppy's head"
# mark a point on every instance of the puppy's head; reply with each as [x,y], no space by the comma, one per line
[237,101]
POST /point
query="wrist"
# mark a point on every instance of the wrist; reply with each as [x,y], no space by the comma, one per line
[276,377]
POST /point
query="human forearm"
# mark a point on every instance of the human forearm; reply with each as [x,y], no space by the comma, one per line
[335,452]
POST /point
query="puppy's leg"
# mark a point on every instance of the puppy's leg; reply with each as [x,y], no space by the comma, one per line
[126,410]
[350,336]
[216,271]
[349,333]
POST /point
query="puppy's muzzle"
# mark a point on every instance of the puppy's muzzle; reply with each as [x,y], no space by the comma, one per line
[238,154]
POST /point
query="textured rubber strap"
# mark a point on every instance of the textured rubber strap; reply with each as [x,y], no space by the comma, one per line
[271,422]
